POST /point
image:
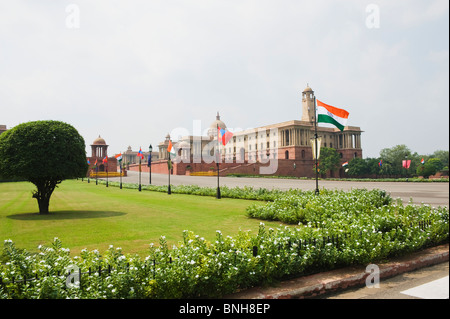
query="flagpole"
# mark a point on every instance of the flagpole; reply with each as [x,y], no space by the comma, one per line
[218,196]
[315,146]
[169,168]
[120,166]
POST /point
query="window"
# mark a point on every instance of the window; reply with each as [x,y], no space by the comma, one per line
[303,153]
[286,154]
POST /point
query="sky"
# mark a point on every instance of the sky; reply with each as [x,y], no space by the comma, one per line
[133,71]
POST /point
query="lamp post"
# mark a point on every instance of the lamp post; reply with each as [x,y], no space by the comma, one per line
[150,149]
[406,167]
[140,173]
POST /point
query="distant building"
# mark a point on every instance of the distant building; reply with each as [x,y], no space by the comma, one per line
[130,156]
[99,153]
[3,129]
[287,144]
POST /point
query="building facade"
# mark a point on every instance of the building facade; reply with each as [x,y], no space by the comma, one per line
[99,152]
[130,157]
[283,149]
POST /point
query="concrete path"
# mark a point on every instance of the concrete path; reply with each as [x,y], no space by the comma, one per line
[435,194]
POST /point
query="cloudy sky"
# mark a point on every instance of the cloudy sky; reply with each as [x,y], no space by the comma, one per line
[132,71]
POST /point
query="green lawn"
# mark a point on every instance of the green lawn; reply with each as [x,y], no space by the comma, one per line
[85,215]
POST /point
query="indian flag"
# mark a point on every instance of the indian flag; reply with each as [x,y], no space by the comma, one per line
[170,148]
[119,156]
[332,115]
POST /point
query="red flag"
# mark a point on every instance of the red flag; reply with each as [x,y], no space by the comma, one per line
[406,163]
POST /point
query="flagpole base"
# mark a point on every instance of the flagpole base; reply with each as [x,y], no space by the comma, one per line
[169,191]
[139,187]
[218,196]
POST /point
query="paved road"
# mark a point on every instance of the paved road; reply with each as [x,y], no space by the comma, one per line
[435,194]
[425,283]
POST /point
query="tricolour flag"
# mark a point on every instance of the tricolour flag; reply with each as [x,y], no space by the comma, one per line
[345,164]
[224,135]
[422,161]
[170,148]
[119,157]
[332,115]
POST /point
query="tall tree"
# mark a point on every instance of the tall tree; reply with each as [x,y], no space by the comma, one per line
[44,153]
[357,167]
[329,160]
[393,158]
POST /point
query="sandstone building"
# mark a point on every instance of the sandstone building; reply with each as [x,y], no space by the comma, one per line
[282,149]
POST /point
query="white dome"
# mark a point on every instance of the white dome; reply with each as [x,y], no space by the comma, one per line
[217,122]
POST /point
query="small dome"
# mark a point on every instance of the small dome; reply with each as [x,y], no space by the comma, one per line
[217,122]
[99,141]
[308,89]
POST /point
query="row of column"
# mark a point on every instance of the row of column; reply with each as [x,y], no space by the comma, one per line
[99,151]
[300,137]
[294,136]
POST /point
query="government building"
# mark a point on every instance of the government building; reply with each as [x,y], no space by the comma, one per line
[282,149]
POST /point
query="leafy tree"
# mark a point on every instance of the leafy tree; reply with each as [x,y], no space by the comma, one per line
[373,166]
[431,167]
[443,156]
[357,167]
[44,153]
[393,158]
[329,160]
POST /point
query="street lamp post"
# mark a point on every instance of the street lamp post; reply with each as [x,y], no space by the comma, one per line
[150,149]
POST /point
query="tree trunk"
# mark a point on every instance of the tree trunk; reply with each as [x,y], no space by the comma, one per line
[44,190]
[44,203]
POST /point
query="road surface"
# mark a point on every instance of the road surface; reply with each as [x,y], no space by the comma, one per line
[425,283]
[435,194]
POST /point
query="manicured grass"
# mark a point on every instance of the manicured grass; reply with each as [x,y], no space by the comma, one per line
[85,215]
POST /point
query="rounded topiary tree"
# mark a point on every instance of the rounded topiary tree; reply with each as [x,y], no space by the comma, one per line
[44,153]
